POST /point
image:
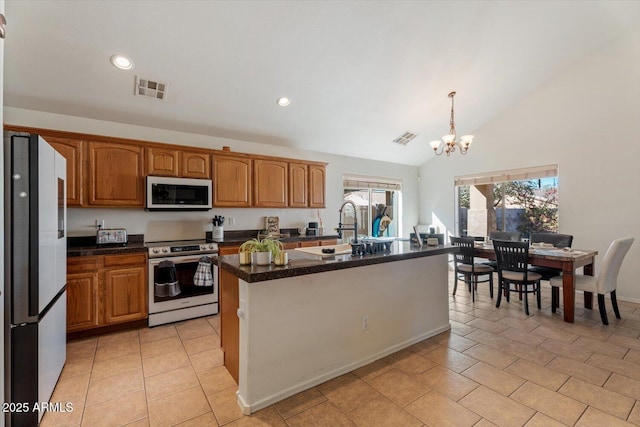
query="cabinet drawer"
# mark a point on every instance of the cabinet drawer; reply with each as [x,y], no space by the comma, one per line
[130,259]
[82,264]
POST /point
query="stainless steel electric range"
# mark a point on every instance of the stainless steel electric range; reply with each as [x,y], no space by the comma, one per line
[183,280]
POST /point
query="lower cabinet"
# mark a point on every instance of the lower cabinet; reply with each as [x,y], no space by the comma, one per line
[106,290]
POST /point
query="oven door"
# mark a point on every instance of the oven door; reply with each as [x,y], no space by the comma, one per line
[172,288]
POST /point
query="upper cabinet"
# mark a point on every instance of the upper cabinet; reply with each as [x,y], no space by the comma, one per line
[115,174]
[298,185]
[270,183]
[195,165]
[178,163]
[71,149]
[317,186]
[162,162]
[106,171]
[231,181]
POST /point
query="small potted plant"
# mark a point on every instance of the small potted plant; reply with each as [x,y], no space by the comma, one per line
[264,249]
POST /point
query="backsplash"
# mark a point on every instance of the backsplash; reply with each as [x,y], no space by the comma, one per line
[157,226]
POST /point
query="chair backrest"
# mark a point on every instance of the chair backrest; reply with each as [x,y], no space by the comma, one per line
[512,256]
[465,254]
[608,277]
[558,240]
[514,236]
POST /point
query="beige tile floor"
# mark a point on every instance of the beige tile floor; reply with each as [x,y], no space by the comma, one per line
[495,367]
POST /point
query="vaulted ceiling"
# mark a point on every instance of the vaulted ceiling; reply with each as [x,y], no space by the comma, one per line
[359,74]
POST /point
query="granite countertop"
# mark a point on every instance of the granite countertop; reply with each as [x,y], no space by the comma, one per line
[86,246]
[301,263]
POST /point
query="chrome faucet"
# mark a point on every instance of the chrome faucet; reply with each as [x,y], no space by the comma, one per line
[341,228]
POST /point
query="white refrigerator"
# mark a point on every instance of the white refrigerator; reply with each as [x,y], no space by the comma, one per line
[35,275]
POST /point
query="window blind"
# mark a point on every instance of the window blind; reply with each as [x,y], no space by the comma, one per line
[536,172]
[356,182]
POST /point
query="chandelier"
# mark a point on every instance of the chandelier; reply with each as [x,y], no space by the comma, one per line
[450,143]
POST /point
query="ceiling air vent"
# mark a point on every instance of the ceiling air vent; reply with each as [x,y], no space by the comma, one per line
[405,138]
[145,87]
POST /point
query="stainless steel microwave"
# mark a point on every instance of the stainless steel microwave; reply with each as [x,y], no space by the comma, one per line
[178,194]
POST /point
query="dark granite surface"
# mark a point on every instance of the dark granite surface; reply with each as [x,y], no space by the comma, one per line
[86,246]
[301,263]
[237,237]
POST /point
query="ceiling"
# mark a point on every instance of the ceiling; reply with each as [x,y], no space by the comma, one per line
[359,74]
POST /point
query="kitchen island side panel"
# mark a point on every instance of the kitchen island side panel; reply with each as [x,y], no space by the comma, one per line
[301,331]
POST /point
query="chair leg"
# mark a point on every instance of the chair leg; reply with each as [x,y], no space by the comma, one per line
[499,298]
[603,309]
[526,300]
[455,283]
[538,295]
[614,303]
[555,298]
[472,284]
[491,285]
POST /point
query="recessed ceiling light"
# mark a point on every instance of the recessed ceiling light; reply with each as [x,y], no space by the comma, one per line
[121,62]
[283,101]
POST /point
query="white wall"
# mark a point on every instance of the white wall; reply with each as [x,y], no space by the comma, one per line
[170,225]
[587,120]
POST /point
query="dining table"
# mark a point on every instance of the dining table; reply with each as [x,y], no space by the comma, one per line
[568,260]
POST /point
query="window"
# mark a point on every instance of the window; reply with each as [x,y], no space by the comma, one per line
[377,202]
[523,200]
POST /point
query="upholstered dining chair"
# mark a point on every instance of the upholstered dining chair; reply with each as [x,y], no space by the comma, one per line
[512,258]
[467,270]
[558,241]
[605,282]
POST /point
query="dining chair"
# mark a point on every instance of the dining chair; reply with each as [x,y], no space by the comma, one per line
[512,258]
[604,282]
[514,236]
[467,270]
[558,241]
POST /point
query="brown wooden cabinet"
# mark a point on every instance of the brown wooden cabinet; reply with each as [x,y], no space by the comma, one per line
[71,150]
[317,186]
[162,161]
[298,185]
[195,165]
[270,183]
[82,293]
[228,250]
[115,174]
[231,181]
[177,163]
[106,290]
[125,287]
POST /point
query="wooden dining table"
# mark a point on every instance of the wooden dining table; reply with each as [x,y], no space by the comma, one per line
[567,261]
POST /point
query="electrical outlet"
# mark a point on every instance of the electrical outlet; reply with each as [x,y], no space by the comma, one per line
[231,220]
[365,322]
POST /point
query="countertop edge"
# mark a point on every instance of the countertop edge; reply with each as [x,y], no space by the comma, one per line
[275,272]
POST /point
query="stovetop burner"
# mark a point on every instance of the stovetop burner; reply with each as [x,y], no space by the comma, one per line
[181,247]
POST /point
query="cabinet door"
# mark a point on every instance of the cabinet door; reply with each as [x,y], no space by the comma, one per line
[82,301]
[316,186]
[125,294]
[115,174]
[270,182]
[231,181]
[298,185]
[309,243]
[71,149]
[195,165]
[162,162]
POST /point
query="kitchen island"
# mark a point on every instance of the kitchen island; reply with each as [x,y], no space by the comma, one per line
[285,329]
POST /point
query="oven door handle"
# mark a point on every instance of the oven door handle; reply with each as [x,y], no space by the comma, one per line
[179,259]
